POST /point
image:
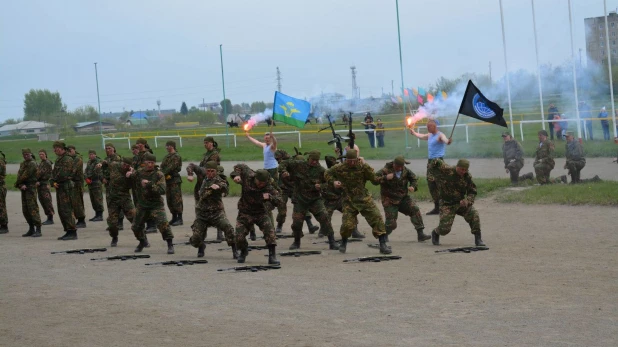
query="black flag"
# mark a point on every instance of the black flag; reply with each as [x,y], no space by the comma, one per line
[476,105]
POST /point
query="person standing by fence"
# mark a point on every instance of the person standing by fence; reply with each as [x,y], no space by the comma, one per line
[604,123]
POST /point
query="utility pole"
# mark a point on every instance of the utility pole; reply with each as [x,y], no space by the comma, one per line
[354,87]
[227,134]
[490,82]
[159,106]
[96,75]
[278,80]
[392,87]
[580,56]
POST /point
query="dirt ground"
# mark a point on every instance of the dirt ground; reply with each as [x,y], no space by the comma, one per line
[548,279]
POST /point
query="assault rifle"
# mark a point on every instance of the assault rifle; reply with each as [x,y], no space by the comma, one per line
[81,251]
[180,262]
[463,249]
[208,242]
[350,133]
[250,268]
[296,253]
[337,139]
[279,236]
[338,241]
[373,259]
[124,257]
[250,248]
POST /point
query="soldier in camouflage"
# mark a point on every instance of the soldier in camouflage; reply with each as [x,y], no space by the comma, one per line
[78,188]
[397,182]
[308,177]
[138,162]
[4,219]
[575,160]
[513,156]
[150,184]
[544,158]
[286,186]
[62,180]
[170,167]
[95,186]
[257,188]
[110,150]
[457,194]
[351,176]
[210,211]
[26,182]
[42,186]
[119,196]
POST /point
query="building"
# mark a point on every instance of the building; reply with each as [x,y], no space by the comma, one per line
[93,127]
[26,128]
[596,42]
[132,122]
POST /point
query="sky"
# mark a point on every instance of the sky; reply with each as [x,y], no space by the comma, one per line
[169,50]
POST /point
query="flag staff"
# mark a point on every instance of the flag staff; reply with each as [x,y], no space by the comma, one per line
[506,65]
[453,130]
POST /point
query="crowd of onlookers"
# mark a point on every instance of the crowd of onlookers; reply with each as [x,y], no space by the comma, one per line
[560,123]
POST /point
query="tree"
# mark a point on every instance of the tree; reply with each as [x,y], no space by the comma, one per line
[237,109]
[226,106]
[85,114]
[11,121]
[183,109]
[41,104]
[258,106]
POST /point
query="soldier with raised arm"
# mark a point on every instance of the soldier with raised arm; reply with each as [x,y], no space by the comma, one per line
[118,194]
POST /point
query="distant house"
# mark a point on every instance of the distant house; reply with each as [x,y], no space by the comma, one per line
[90,127]
[27,127]
[131,122]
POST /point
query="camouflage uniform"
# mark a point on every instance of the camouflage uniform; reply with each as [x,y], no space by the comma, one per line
[119,196]
[170,167]
[62,175]
[95,188]
[333,198]
[513,156]
[285,185]
[212,155]
[26,176]
[455,188]
[106,177]
[4,219]
[44,172]
[544,161]
[78,188]
[575,160]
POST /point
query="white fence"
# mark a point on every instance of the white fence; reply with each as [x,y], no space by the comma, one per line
[300,144]
[215,135]
[107,139]
[167,137]
[521,125]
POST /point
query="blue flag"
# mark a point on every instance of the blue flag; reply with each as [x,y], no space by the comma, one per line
[290,110]
[421,91]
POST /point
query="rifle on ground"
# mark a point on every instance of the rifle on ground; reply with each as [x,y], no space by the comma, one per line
[463,249]
[373,259]
[250,248]
[124,257]
[81,251]
[337,139]
[180,262]
[338,241]
[250,268]
[279,236]
[208,242]
[296,253]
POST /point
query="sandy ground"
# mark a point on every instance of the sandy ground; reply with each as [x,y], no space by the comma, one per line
[549,279]
[482,168]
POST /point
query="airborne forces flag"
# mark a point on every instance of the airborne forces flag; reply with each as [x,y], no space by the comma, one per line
[476,105]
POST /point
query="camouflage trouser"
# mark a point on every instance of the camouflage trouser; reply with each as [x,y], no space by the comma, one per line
[332,205]
[196,191]
[245,222]
[274,173]
[173,195]
[282,209]
[117,207]
[64,200]
[157,215]
[369,210]
[78,200]
[432,172]
[318,210]
[408,208]
[108,200]
[219,221]
[95,190]
[45,199]
[29,207]
[514,168]
[4,218]
[575,167]
[542,172]
[447,217]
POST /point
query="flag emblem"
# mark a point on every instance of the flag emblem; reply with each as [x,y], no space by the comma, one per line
[481,109]
[288,109]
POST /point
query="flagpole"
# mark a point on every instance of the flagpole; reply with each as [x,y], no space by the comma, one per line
[506,65]
[538,67]
[609,67]
[453,130]
[579,126]
[401,69]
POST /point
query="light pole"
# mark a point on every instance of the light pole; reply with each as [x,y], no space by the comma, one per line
[401,70]
[227,135]
[96,75]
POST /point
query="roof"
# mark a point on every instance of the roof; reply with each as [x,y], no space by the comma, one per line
[85,124]
[141,115]
[26,125]
[137,121]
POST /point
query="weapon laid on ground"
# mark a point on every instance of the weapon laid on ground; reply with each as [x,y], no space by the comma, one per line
[373,259]
[250,268]
[81,251]
[250,248]
[463,249]
[279,236]
[337,139]
[338,241]
[180,262]
[296,253]
[208,242]
[124,257]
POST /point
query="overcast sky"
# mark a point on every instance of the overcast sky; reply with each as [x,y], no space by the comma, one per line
[169,50]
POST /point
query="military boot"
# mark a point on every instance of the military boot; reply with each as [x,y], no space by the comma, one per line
[279,230]
[170,246]
[357,234]
[252,235]
[50,220]
[295,244]
[140,246]
[30,231]
[343,244]
[66,233]
[120,226]
[422,237]
[563,178]
[234,252]
[312,228]
[243,253]
[386,238]
[114,242]
[81,223]
[150,227]
[332,244]
[4,229]
[384,249]
[71,235]
[178,220]
[200,250]
[37,232]
[528,176]
[173,219]
[436,209]
[272,255]
[220,235]
[98,217]
[435,238]
[477,239]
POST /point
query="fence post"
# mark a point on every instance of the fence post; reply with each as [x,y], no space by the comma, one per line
[299,141]
[467,141]
[521,130]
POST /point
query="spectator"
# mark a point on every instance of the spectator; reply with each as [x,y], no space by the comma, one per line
[368,118]
[586,117]
[604,123]
[368,123]
[551,112]
[380,133]
[556,127]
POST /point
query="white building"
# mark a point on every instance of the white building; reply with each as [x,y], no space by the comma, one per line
[27,127]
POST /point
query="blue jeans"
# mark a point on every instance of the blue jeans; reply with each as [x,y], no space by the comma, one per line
[589,129]
[605,126]
[372,141]
[380,141]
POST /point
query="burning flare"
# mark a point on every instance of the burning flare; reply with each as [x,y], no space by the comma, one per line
[256,118]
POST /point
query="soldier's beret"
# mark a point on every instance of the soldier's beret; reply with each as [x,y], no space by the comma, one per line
[543,132]
[59,144]
[209,139]
[71,147]
[314,155]
[26,150]
[109,144]
[399,160]
[171,143]
[330,161]
[463,163]
[149,157]
[211,165]
[351,154]
[43,150]
[127,160]
[92,151]
[262,175]
[141,141]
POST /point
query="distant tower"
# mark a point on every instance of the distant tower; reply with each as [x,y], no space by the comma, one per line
[278,80]
[354,86]
[159,106]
